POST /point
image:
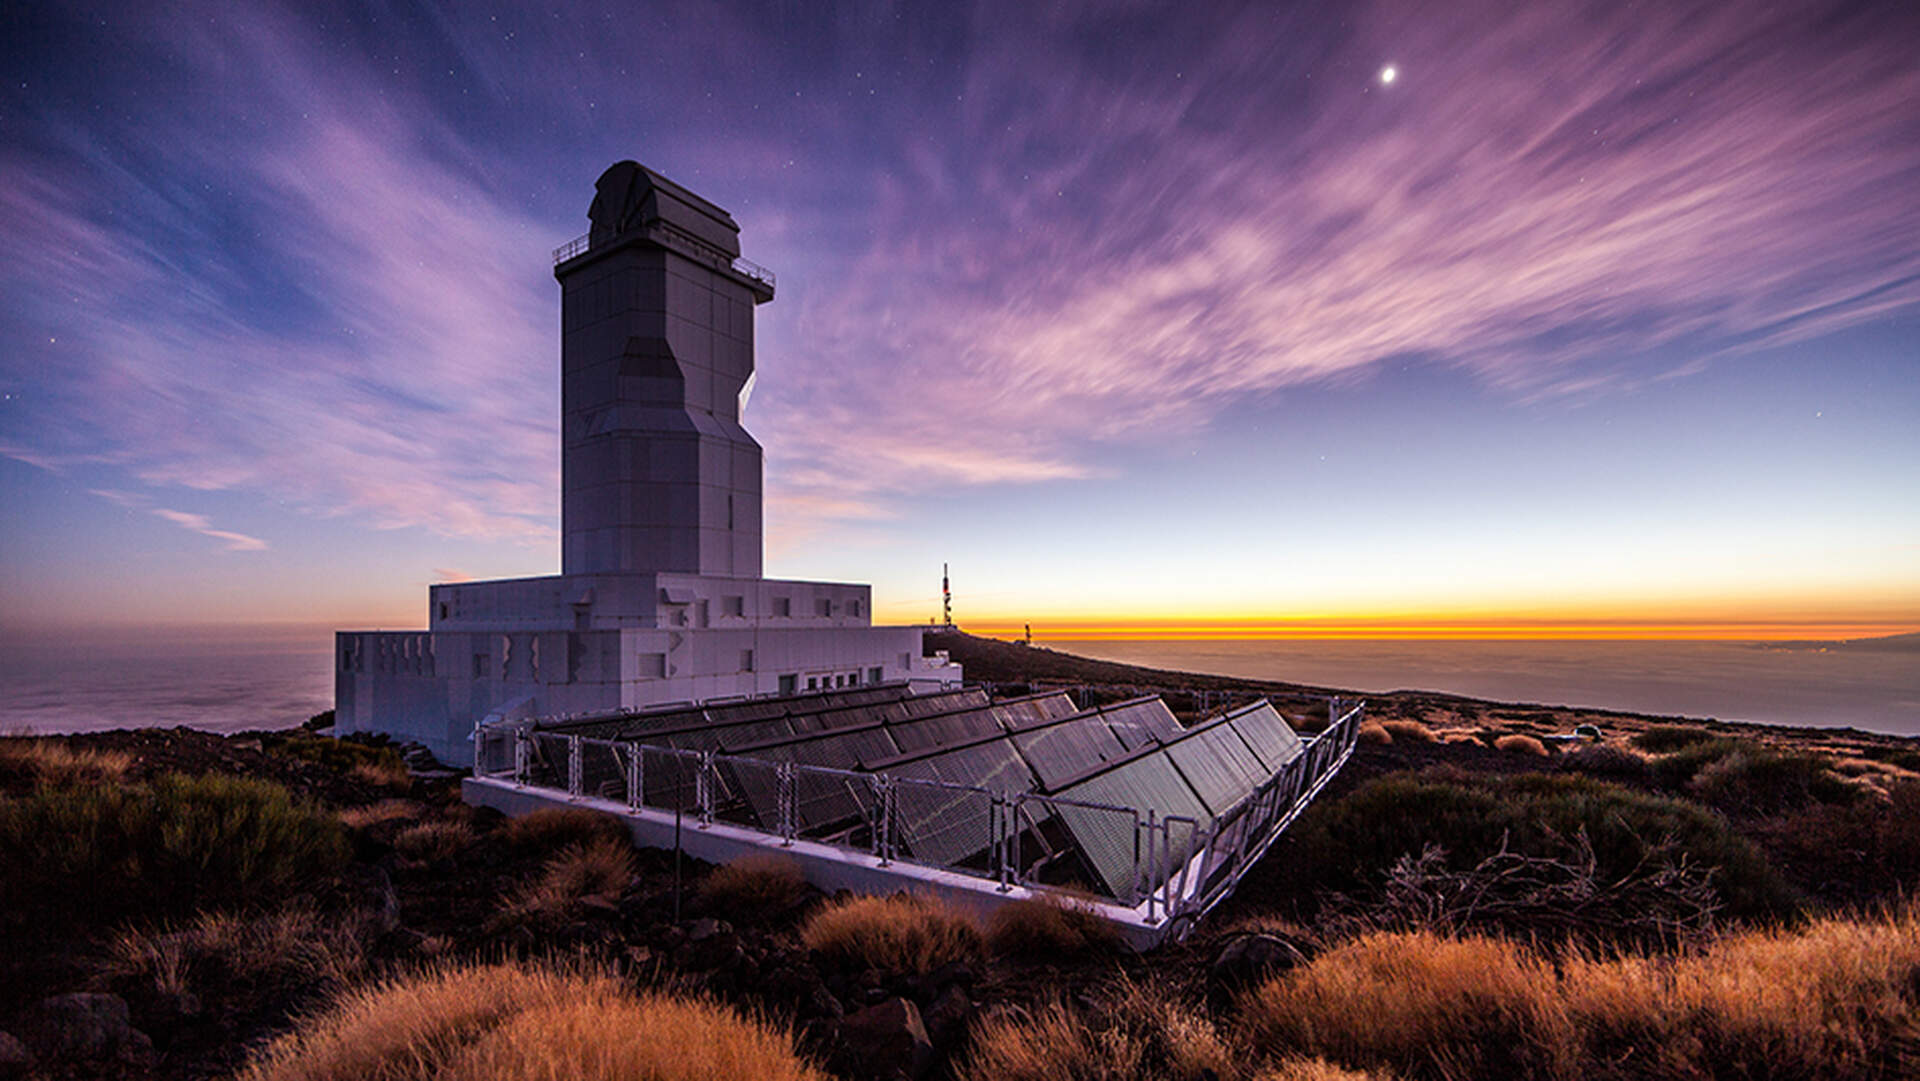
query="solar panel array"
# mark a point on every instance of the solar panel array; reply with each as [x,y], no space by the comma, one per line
[1103,768]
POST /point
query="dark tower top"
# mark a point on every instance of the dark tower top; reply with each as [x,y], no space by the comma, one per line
[657,474]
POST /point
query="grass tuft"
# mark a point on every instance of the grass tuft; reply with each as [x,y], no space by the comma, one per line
[902,933]
[1520,744]
[1136,1033]
[600,868]
[51,762]
[1831,1000]
[514,1022]
[379,814]
[1316,1069]
[1667,738]
[550,829]
[219,949]
[1375,733]
[1047,927]
[755,885]
[1413,731]
[442,838]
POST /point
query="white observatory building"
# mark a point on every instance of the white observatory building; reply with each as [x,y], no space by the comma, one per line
[660,597]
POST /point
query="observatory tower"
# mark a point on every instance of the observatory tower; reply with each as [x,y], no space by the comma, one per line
[660,597]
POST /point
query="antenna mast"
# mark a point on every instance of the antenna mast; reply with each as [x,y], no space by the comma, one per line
[946,597]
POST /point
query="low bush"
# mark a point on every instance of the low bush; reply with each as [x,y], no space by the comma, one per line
[1410,730]
[165,849]
[552,828]
[1349,844]
[1375,733]
[1667,738]
[1609,761]
[27,761]
[1520,744]
[1676,769]
[1133,1033]
[522,1023]
[393,775]
[600,868]
[1049,927]
[755,885]
[380,814]
[1758,781]
[442,838]
[339,755]
[902,933]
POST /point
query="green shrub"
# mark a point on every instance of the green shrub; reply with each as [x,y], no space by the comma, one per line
[1677,769]
[1349,844]
[169,848]
[1667,738]
[1758,782]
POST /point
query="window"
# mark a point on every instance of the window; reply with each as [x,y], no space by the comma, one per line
[789,684]
[876,674]
[746,660]
[783,607]
[823,607]
[733,606]
[479,666]
[813,683]
[443,609]
[853,609]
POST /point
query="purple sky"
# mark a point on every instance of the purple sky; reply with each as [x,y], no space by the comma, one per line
[1131,311]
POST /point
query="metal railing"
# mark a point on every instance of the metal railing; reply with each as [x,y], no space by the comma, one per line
[1177,867]
[744,267]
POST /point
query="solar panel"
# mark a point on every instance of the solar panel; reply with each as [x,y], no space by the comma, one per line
[1063,750]
[1138,724]
[1272,739]
[1105,839]
[1218,765]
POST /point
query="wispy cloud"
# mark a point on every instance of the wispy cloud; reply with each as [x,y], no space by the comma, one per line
[1010,237]
[235,542]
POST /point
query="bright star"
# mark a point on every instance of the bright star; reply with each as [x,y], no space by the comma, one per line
[1388,74]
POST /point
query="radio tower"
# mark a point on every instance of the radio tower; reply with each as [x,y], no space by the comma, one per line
[946,597]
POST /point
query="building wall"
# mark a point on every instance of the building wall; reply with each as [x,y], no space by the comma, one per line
[433,687]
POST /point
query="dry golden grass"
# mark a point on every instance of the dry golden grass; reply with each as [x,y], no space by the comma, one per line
[1316,1069]
[755,884]
[512,1022]
[551,828]
[51,762]
[293,946]
[1470,1007]
[1833,1000]
[1458,735]
[1374,732]
[442,838]
[1046,927]
[901,933]
[384,773]
[1410,730]
[1520,744]
[600,868]
[377,814]
[1134,1034]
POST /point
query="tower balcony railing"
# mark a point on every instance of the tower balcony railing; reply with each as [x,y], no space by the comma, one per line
[746,268]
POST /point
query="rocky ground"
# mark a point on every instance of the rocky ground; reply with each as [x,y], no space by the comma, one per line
[73,1006]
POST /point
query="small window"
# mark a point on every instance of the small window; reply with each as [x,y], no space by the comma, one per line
[789,684]
[733,606]
[823,607]
[746,660]
[813,683]
[443,609]
[783,607]
[479,666]
[853,609]
[876,674]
